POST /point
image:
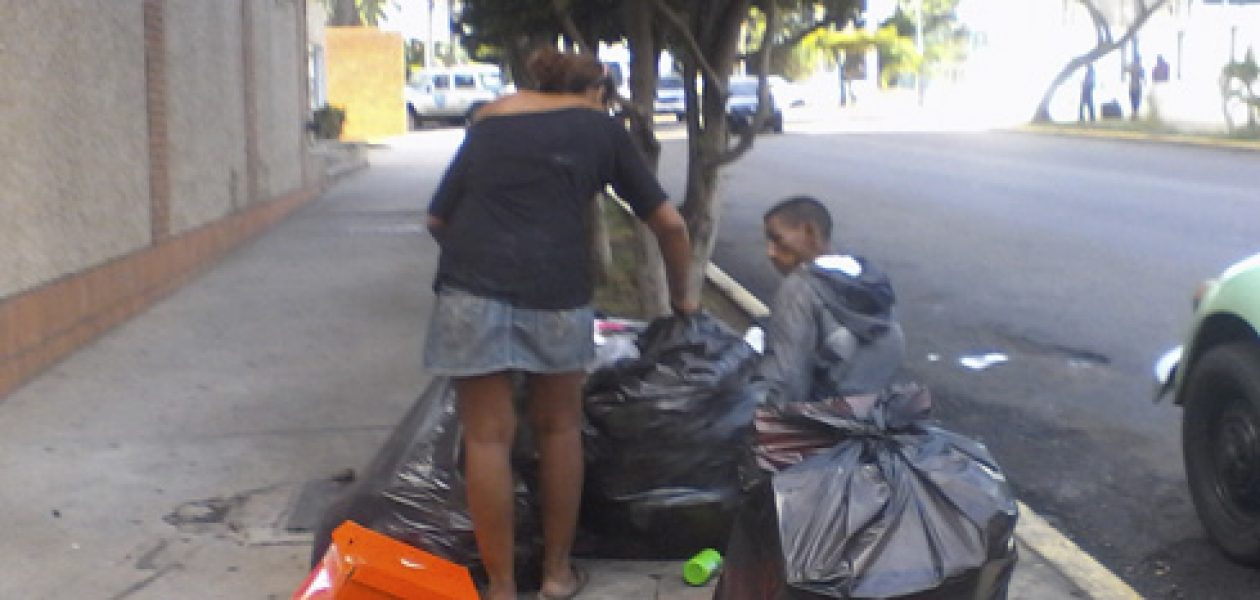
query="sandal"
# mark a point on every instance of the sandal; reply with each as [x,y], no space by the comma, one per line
[582,577]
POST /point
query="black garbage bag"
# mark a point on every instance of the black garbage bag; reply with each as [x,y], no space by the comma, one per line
[665,438]
[414,491]
[899,508]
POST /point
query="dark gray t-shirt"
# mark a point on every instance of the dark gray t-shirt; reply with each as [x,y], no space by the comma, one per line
[518,200]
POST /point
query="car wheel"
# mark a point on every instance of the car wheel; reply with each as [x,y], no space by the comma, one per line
[1221,444]
[414,119]
[680,117]
[776,124]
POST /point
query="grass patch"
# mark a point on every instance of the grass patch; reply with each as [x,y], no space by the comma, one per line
[1139,126]
[617,293]
[1149,127]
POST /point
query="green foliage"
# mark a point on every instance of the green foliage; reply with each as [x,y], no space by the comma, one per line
[357,12]
[414,53]
[792,56]
[897,53]
[945,40]
[329,121]
[798,62]
[1246,71]
[488,27]
[1238,83]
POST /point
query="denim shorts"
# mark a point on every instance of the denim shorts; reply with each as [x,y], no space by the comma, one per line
[470,335]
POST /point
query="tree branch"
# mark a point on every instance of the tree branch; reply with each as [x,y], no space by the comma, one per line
[679,24]
[1144,14]
[565,16]
[1100,50]
[796,38]
[639,19]
[1102,29]
[764,101]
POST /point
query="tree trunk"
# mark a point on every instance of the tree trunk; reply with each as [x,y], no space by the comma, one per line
[1043,108]
[700,208]
[644,55]
[717,33]
[1105,46]
[345,13]
[516,52]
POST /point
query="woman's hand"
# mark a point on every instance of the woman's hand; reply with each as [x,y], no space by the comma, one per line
[435,225]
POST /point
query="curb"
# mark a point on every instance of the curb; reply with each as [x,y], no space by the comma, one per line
[1139,136]
[1068,559]
[1062,554]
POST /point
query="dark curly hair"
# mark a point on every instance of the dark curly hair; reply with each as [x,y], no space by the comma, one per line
[556,71]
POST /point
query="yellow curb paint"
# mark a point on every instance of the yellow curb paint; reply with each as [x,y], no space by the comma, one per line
[1138,136]
[1068,559]
[1061,553]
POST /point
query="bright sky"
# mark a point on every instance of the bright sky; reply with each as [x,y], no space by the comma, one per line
[411,19]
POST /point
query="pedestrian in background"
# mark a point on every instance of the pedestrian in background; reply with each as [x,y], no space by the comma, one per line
[1137,77]
[1161,72]
[514,285]
[1087,95]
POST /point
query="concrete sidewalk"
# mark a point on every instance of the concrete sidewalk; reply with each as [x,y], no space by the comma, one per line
[162,462]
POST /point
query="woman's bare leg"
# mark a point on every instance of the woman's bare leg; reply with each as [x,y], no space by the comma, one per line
[489,420]
[555,412]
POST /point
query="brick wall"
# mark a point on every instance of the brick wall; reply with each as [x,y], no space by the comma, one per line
[124,164]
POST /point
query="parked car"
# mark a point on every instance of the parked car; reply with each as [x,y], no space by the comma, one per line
[451,94]
[741,106]
[1215,376]
[670,97]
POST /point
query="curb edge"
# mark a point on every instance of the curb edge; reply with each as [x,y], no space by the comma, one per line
[1068,559]
[1063,555]
[1138,136]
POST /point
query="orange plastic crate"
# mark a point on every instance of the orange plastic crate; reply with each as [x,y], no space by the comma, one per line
[362,564]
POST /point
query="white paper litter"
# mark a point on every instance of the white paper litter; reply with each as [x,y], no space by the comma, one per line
[756,338]
[981,362]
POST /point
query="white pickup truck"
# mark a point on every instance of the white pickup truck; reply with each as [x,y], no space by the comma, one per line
[450,94]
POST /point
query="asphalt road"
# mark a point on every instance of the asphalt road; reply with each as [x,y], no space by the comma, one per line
[1077,259]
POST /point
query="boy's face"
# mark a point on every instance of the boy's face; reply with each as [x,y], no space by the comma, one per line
[789,245]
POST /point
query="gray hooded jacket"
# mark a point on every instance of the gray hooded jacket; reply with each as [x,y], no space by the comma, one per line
[831,332]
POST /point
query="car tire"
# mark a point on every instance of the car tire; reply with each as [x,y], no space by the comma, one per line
[680,117]
[414,119]
[776,124]
[1221,446]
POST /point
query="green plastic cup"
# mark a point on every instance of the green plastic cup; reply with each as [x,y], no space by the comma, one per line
[701,567]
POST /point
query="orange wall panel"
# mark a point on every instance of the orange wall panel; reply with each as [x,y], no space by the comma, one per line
[366,67]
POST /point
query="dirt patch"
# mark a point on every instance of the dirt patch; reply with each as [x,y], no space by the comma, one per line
[618,293]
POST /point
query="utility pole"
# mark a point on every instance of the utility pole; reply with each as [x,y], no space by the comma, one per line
[429,46]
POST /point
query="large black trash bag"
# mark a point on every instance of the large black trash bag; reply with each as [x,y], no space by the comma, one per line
[898,508]
[414,491]
[665,437]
